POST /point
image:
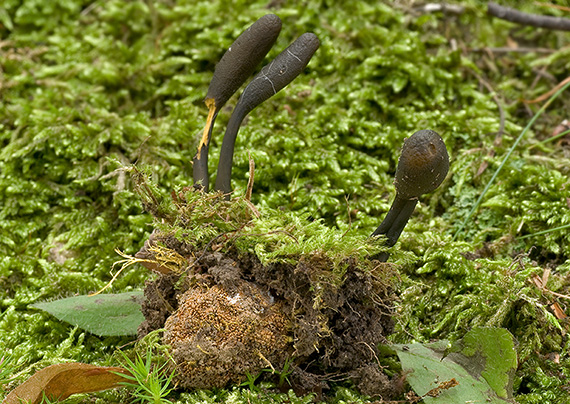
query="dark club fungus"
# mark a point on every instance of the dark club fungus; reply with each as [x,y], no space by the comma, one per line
[422,167]
[271,79]
[237,64]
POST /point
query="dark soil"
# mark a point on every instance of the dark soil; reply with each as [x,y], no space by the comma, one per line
[329,330]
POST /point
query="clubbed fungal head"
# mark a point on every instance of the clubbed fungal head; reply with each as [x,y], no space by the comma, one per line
[241,59]
[423,164]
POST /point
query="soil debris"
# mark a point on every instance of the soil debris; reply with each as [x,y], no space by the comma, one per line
[228,314]
[218,335]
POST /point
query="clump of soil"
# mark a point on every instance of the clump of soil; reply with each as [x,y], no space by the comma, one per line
[222,326]
[218,334]
[227,314]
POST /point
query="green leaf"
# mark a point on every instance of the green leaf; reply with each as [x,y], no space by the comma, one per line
[5,19]
[483,363]
[103,315]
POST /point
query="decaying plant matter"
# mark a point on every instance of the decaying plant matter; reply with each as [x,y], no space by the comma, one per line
[234,300]
[228,313]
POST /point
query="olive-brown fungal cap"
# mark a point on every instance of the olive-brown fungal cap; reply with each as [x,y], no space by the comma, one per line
[422,166]
[242,57]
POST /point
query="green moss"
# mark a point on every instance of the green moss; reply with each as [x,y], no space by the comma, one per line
[199,219]
[88,87]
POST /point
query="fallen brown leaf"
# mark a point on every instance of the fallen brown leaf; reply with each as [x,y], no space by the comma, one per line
[540,283]
[558,312]
[62,380]
[562,127]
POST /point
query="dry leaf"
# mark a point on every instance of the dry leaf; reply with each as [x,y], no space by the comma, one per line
[562,127]
[554,357]
[511,43]
[64,379]
[442,386]
[558,312]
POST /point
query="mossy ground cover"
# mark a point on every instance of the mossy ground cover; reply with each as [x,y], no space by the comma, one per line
[88,87]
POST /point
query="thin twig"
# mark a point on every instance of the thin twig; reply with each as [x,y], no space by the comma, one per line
[437,7]
[542,74]
[249,189]
[506,49]
[541,284]
[556,6]
[534,20]
[549,93]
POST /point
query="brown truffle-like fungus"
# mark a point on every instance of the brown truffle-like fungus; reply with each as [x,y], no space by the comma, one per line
[219,335]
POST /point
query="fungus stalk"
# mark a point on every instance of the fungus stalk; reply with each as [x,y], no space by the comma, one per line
[271,79]
[422,167]
[237,64]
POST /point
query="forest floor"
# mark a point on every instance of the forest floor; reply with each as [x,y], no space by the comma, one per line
[89,89]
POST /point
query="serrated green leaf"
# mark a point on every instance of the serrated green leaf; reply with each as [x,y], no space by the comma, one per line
[103,315]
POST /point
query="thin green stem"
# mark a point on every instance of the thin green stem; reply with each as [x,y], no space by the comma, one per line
[508,155]
[551,139]
[538,233]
